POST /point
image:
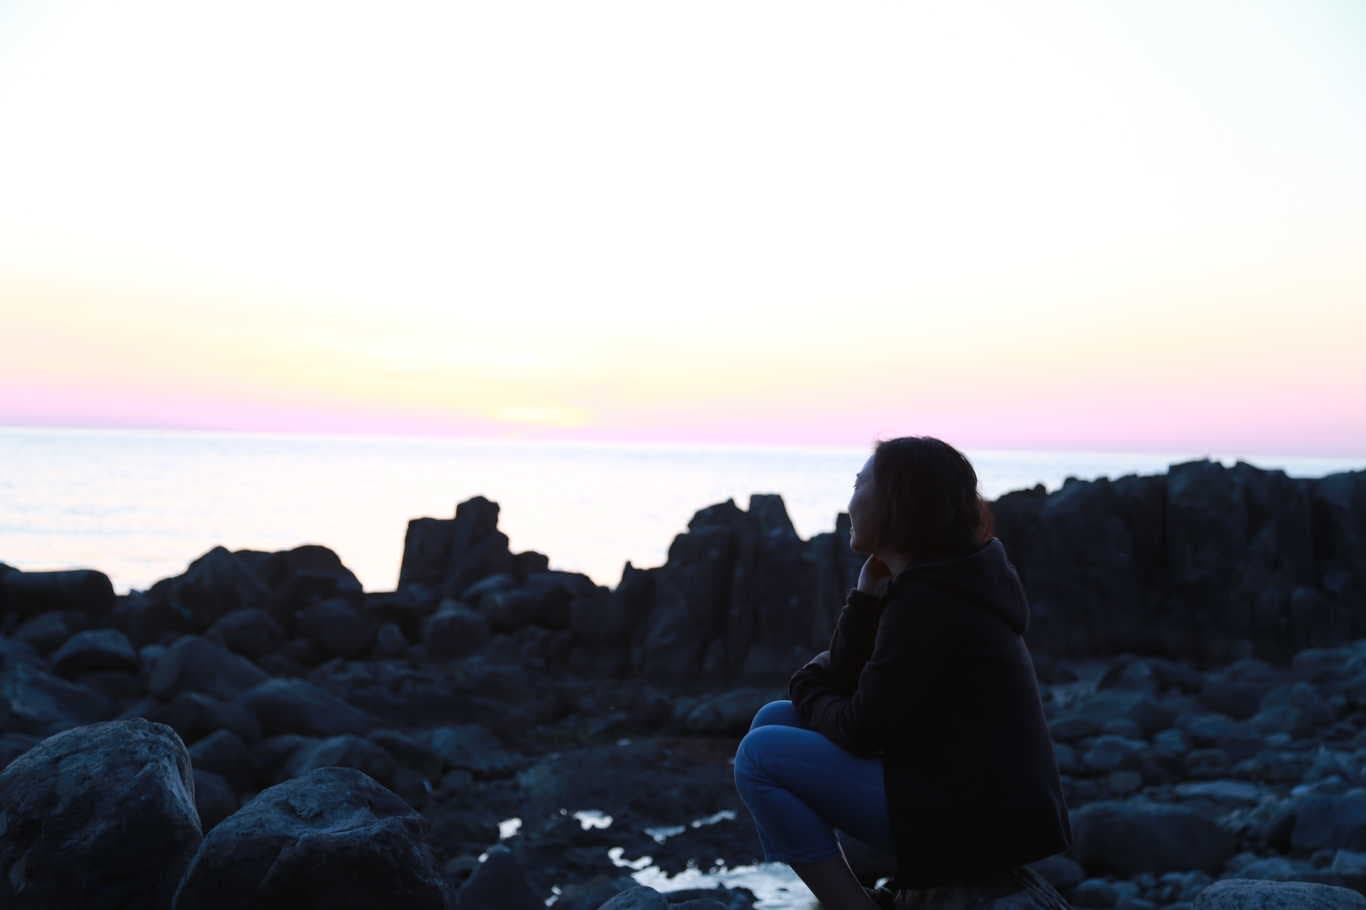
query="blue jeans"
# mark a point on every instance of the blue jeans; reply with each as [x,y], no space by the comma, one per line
[800,787]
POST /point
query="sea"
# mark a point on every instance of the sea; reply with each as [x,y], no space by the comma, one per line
[141,505]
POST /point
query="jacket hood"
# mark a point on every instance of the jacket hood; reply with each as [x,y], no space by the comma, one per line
[986,577]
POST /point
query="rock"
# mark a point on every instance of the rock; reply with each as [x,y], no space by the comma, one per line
[1238,699]
[1245,894]
[346,751]
[296,706]
[195,664]
[336,628]
[641,897]
[147,621]
[1124,838]
[100,816]
[213,798]
[226,754]
[1020,888]
[1283,869]
[475,749]
[13,745]
[1060,870]
[1109,753]
[84,590]
[47,632]
[1320,665]
[1094,892]
[1131,674]
[1221,791]
[728,713]
[1323,820]
[448,555]
[454,630]
[499,883]
[36,702]
[195,715]
[1350,866]
[390,641]
[94,649]
[301,577]
[251,632]
[595,892]
[212,586]
[331,839]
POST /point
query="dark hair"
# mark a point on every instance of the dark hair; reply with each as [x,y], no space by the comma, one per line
[926,503]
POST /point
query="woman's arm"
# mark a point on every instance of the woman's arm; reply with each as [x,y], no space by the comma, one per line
[852,642]
[912,648]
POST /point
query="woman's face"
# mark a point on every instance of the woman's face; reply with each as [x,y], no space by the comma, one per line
[861,537]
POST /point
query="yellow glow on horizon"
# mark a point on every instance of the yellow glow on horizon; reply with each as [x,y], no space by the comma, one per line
[723,218]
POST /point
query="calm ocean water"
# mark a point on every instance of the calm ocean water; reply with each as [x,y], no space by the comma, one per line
[141,505]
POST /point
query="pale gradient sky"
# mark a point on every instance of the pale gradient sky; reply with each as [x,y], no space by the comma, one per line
[1131,226]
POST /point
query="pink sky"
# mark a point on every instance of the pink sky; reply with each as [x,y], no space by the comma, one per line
[1089,228]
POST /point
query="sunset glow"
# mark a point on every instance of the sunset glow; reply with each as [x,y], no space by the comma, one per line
[1054,225]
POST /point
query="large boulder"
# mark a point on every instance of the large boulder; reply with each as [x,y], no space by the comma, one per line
[498,883]
[301,577]
[93,650]
[344,751]
[195,715]
[214,585]
[336,628]
[98,816]
[1255,894]
[1327,820]
[290,705]
[37,702]
[84,590]
[251,632]
[195,664]
[455,630]
[1126,838]
[331,840]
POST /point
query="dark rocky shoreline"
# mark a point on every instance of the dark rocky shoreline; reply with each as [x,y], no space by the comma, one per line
[1200,639]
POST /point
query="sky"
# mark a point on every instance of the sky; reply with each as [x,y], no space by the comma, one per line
[1127,227]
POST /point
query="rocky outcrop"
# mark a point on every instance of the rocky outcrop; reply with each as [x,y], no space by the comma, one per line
[1249,894]
[1203,563]
[101,816]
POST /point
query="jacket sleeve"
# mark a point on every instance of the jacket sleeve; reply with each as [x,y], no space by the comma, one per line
[852,643]
[914,643]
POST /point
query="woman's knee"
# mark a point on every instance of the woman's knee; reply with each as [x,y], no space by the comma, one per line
[753,745]
[780,711]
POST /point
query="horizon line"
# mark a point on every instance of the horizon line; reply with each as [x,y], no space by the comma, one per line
[675,445]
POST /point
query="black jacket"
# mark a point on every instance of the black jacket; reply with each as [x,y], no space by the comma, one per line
[935,678]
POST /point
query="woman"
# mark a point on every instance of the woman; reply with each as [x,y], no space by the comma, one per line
[920,731]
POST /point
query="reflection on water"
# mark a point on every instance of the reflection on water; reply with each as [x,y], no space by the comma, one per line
[660,835]
[775,885]
[592,818]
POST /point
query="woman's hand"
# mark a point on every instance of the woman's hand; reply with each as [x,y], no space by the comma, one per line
[874,576]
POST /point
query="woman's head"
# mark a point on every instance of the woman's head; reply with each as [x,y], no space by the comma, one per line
[916,496]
